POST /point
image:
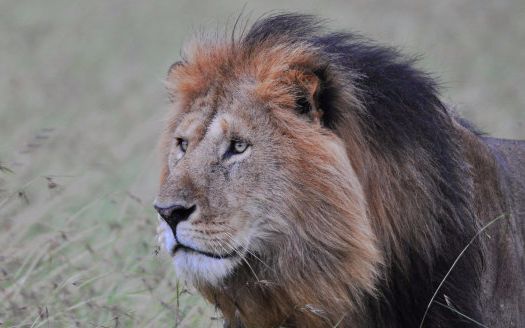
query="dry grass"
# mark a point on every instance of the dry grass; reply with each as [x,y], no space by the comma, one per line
[81,107]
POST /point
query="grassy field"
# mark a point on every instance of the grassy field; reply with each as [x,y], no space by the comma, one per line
[81,106]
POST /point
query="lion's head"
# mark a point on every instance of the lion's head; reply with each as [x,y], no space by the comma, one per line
[308,176]
[251,172]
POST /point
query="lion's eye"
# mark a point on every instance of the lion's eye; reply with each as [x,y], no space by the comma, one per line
[238,146]
[183,144]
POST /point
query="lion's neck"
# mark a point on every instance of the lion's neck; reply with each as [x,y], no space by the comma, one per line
[245,302]
[424,232]
[422,204]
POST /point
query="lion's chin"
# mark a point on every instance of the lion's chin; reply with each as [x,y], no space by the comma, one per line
[196,268]
[192,266]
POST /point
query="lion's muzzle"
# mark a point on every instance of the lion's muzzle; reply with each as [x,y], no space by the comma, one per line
[174,214]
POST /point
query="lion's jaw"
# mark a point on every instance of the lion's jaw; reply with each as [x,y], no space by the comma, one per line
[195,267]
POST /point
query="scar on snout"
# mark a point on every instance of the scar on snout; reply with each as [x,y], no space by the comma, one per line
[224,126]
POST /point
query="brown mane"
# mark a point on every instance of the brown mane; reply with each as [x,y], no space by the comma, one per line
[418,184]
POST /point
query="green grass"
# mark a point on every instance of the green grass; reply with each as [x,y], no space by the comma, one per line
[81,107]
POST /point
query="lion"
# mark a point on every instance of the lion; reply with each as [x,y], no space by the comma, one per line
[315,179]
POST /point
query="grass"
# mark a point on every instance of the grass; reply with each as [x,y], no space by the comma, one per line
[69,263]
[81,105]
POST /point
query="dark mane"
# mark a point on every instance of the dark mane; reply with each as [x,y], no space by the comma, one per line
[401,101]
[401,115]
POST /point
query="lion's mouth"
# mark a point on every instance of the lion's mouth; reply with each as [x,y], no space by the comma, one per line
[184,248]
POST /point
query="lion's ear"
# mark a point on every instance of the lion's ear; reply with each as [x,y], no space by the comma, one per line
[173,68]
[170,77]
[307,104]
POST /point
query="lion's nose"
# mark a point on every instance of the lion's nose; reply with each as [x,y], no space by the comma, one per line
[175,213]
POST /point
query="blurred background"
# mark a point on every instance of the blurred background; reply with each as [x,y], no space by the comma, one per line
[81,106]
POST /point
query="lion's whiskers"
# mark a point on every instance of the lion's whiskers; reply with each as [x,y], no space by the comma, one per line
[247,250]
[240,255]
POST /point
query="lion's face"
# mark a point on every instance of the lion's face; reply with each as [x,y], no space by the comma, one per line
[245,183]
[222,165]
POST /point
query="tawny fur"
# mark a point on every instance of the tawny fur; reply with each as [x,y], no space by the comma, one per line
[340,214]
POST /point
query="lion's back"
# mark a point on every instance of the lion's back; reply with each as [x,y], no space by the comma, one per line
[510,156]
[503,283]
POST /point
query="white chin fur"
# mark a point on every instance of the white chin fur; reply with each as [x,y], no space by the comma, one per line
[197,268]
[194,267]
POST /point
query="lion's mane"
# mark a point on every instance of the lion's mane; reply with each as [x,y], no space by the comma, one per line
[413,205]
